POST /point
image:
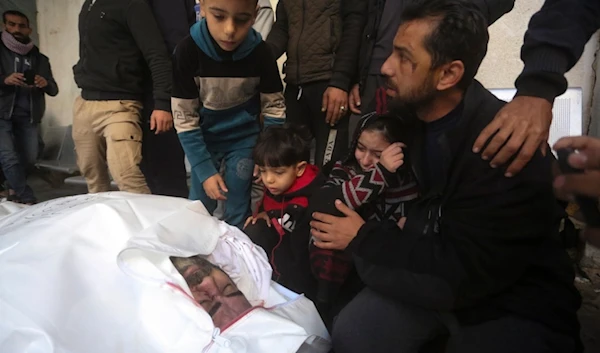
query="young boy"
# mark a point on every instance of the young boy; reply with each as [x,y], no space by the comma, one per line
[282,154]
[224,78]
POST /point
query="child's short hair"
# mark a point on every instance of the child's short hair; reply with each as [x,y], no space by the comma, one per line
[282,146]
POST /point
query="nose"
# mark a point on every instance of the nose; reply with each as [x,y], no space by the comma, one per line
[269,178]
[229,28]
[386,68]
[366,161]
[209,287]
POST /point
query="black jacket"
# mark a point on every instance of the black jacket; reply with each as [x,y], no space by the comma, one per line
[117,38]
[492,9]
[319,38]
[41,66]
[174,19]
[554,42]
[480,245]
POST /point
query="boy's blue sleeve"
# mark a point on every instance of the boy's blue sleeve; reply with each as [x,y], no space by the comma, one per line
[185,103]
[271,90]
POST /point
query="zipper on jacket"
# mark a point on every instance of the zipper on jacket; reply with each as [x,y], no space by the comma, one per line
[12,107]
[298,45]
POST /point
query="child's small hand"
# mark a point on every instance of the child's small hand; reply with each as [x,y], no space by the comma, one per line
[213,186]
[392,157]
[253,219]
[401,222]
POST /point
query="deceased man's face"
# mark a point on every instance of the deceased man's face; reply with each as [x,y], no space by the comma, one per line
[212,289]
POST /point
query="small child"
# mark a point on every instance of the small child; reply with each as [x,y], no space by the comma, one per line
[282,154]
[224,78]
[373,180]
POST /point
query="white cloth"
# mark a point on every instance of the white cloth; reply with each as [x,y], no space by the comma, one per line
[91,274]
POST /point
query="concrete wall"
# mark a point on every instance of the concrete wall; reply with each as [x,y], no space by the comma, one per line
[59,40]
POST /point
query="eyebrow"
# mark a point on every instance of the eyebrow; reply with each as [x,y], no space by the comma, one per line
[404,50]
[214,309]
[223,11]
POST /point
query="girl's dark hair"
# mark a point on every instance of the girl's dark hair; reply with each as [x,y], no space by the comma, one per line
[392,127]
[282,146]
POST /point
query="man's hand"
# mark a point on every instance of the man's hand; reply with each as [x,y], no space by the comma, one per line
[214,187]
[354,99]
[588,183]
[335,103]
[335,233]
[402,222]
[392,157]
[15,79]
[161,120]
[588,159]
[253,219]
[40,82]
[521,124]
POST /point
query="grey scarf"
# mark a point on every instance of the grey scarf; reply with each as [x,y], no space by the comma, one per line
[14,45]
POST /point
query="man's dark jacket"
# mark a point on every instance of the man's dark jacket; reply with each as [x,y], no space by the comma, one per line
[41,66]
[117,38]
[492,10]
[477,244]
[174,18]
[320,40]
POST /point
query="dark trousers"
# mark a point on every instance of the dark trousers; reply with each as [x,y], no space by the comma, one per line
[303,107]
[374,323]
[19,150]
[162,160]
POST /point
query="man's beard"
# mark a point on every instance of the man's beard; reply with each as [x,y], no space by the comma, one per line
[410,104]
[21,38]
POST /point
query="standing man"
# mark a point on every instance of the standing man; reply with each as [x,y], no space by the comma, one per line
[163,158]
[25,78]
[118,38]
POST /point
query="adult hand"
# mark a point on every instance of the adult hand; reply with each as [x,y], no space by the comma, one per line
[213,187]
[15,79]
[335,233]
[254,219]
[520,126]
[587,183]
[402,222]
[40,82]
[354,99]
[392,157]
[335,103]
[161,120]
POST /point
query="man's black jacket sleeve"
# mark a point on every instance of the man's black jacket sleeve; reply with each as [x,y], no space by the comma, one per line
[554,43]
[494,9]
[144,30]
[354,16]
[488,233]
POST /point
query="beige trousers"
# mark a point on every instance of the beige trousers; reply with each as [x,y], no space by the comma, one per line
[108,136]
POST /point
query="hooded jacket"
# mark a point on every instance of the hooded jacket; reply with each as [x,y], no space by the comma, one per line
[218,97]
[286,242]
[475,243]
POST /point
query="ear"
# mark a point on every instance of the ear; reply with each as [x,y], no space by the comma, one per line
[300,168]
[450,75]
[202,12]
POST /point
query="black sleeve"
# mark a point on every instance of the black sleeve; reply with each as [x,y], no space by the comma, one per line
[553,44]
[486,239]
[354,16]
[143,27]
[46,72]
[494,9]
[278,37]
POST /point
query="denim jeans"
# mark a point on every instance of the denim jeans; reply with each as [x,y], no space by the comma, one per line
[19,150]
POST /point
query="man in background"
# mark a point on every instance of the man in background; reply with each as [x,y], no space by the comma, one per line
[25,79]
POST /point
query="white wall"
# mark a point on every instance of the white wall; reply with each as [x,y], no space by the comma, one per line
[57,28]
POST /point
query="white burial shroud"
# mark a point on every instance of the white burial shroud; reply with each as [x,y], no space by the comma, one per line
[91,273]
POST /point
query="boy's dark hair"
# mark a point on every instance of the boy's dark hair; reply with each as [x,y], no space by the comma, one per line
[282,146]
[14,13]
[461,33]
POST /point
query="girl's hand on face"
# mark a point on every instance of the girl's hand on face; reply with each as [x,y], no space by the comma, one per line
[392,157]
